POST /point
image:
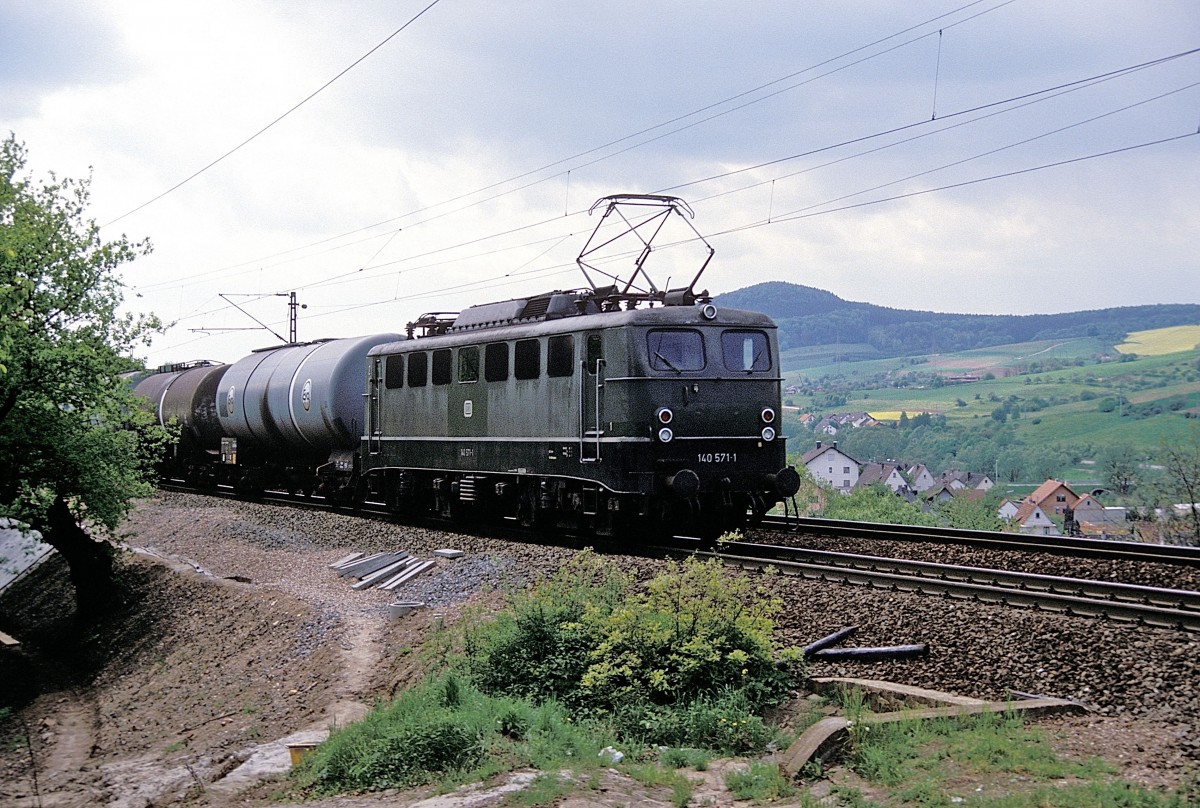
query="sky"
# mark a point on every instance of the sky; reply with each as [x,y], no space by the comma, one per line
[383,159]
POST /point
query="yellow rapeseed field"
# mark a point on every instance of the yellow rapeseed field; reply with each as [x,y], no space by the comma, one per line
[1161,341]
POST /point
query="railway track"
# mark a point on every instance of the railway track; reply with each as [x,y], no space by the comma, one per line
[992,540]
[1143,605]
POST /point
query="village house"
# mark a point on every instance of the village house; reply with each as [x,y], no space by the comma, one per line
[887,473]
[1031,519]
[1095,518]
[921,478]
[967,479]
[831,466]
[1008,509]
[1054,497]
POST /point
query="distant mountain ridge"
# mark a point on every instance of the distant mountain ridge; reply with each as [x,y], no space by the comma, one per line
[811,317]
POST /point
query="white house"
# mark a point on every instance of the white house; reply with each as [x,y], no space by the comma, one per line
[831,466]
[1008,509]
[922,477]
[1032,519]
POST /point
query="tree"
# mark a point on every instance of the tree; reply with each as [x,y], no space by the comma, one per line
[1119,465]
[1180,485]
[75,448]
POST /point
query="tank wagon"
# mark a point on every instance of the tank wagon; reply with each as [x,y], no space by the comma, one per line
[284,417]
[597,408]
[184,395]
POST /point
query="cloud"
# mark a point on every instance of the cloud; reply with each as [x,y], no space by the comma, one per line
[453,164]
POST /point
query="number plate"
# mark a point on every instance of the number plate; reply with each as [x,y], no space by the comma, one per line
[716,457]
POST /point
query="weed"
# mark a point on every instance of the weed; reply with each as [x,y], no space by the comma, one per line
[679,758]
[760,782]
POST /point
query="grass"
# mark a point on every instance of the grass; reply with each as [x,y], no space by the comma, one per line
[447,731]
[759,782]
[992,761]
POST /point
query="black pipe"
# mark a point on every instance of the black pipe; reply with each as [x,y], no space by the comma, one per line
[832,639]
[872,654]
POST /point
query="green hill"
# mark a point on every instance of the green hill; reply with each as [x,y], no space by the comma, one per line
[816,326]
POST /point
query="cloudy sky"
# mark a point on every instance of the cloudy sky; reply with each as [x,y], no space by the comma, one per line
[1000,156]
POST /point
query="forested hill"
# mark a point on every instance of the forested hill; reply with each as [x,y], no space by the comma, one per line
[809,317]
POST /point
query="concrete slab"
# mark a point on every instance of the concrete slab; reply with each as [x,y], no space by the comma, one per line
[344,560]
[407,574]
[886,696]
[826,736]
[382,573]
[265,760]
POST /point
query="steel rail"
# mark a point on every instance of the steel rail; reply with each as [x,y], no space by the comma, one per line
[1163,608]
[992,540]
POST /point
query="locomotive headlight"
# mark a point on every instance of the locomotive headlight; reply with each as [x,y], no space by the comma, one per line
[767,415]
[664,416]
[665,435]
[768,433]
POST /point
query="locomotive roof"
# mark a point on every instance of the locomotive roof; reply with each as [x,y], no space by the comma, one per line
[590,321]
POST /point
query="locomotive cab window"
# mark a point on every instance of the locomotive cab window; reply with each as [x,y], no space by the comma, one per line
[442,367]
[560,358]
[527,359]
[495,362]
[676,350]
[468,365]
[393,374]
[418,369]
[745,351]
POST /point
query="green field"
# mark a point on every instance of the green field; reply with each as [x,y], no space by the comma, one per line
[1070,393]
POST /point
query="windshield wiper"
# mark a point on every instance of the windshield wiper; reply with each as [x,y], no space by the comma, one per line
[667,362]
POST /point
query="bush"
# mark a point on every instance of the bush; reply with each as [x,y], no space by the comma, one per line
[651,663]
[538,647]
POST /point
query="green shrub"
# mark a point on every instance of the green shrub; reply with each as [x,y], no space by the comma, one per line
[663,665]
[537,647]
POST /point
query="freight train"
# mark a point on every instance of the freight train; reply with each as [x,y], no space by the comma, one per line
[602,409]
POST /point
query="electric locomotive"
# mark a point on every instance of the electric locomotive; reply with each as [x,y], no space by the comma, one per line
[550,410]
[595,409]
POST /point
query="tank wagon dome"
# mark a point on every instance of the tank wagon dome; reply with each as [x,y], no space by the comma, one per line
[306,397]
[186,394]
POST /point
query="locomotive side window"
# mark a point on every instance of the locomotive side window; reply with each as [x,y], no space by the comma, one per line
[495,362]
[560,358]
[418,369]
[442,366]
[468,365]
[745,350]
[676,350]
[527,359]
[595,352]
[393,374]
